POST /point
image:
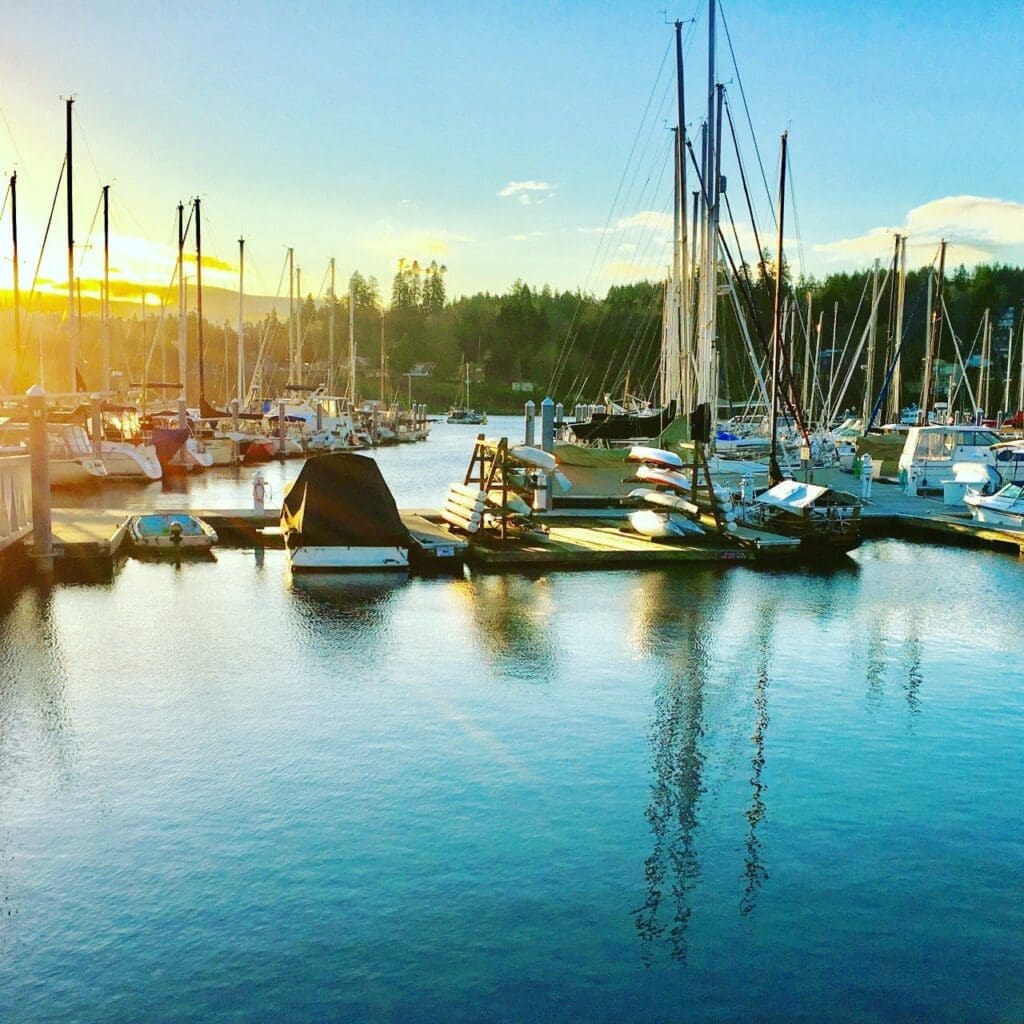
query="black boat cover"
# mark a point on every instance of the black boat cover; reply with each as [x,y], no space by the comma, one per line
[341,500]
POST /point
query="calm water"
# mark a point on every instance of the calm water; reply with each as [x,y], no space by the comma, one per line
[226,794]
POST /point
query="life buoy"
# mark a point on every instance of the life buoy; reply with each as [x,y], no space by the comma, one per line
[259,488]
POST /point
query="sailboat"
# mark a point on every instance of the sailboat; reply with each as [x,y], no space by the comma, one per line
[465,414]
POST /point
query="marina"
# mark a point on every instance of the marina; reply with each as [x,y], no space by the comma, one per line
[512,519]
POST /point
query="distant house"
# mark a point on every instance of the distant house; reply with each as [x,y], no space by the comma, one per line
[422,370]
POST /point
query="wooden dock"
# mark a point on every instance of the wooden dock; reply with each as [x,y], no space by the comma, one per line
[577,543]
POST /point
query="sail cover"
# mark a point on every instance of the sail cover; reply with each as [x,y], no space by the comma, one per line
[341,500]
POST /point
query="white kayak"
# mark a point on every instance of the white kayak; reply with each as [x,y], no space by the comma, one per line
[655,457]
[663,525]
[678,482]
[665,501]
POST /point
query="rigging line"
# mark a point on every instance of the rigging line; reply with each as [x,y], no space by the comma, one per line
[88,237]
[46,233]
[649,228]
[14,141]
[607,237]
[746,108]
[625,169]
[7,195]
[788,390]
[746,191]
[88,148]
[796,215]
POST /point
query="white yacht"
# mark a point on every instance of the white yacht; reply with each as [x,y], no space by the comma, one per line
[1004,508]
[930,453]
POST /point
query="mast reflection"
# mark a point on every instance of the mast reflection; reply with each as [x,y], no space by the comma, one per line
[676,615]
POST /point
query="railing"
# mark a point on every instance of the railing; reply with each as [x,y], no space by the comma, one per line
[15,499]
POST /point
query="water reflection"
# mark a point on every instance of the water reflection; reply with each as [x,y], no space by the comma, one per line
[514,617]
[38,746]
[755,871]
[677,614]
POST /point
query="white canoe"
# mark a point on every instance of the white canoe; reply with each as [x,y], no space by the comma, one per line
[663,525]
[655,457]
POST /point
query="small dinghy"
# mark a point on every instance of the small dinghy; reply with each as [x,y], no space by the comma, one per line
[171,533]
[654,457]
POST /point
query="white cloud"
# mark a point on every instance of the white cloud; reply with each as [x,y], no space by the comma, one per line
[526,235]
[528,193]
[979,229]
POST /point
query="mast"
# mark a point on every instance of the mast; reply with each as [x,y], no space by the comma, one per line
[382,361]
[775,474]
[300,370]
[72,326]
[1009,366]
[199,308]
[330,336]
[986,358]
[18,354]
[869,371]
[352,339]
[901,291]
[240,375]
[291,315]
[182,324]
[807,362]
[934,336]
[1020,377]
[683,269]
[105,304]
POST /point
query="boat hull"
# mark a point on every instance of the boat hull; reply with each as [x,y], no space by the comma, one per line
[348,559]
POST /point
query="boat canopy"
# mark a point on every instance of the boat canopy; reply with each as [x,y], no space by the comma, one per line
[341,500]
[791,494]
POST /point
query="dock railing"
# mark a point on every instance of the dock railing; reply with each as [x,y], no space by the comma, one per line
[15,499]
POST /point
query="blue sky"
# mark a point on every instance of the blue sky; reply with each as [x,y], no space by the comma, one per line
[373,131]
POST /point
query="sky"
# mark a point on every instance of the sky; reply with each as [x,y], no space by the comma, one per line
[496,137]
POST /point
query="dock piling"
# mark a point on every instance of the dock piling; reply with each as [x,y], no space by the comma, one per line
[280,430]
[528,429]
[42,526]
[96,404]
[547,425]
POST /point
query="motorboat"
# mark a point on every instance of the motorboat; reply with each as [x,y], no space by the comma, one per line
[340,515]
[466,417]
[930,453]
[173,532]
[1010,461]
[72,461]
[1004,508]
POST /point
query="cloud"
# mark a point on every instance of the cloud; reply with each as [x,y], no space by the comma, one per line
[528,193]
[626,270]
[526,235]
[979,229]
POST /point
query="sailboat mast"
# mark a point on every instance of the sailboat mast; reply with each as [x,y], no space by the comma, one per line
[105,304]
[19,355]
[869,370]
[182,324]
[775,473]
[933,338]
[72,325]
[683,275]
[807,362]
[901,290]
[240,375]
[382,361]
[330,335]
[1020,377]
[1009,367]
[199,307]
[352,339]
[291,316]
[300,370]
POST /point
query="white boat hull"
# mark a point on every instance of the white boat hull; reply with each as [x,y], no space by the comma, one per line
[128,462]
[81,472]
[340,559]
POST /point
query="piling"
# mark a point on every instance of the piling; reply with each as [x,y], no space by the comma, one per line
[234,411]
[319,416]
[559,416]
[280,430]
[42,526]
[528,432]
[547,425]
[182,414]
[96,404]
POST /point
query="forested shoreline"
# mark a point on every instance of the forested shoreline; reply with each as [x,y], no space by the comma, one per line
[574,345]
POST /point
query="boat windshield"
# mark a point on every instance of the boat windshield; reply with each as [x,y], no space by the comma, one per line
[1013,492]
